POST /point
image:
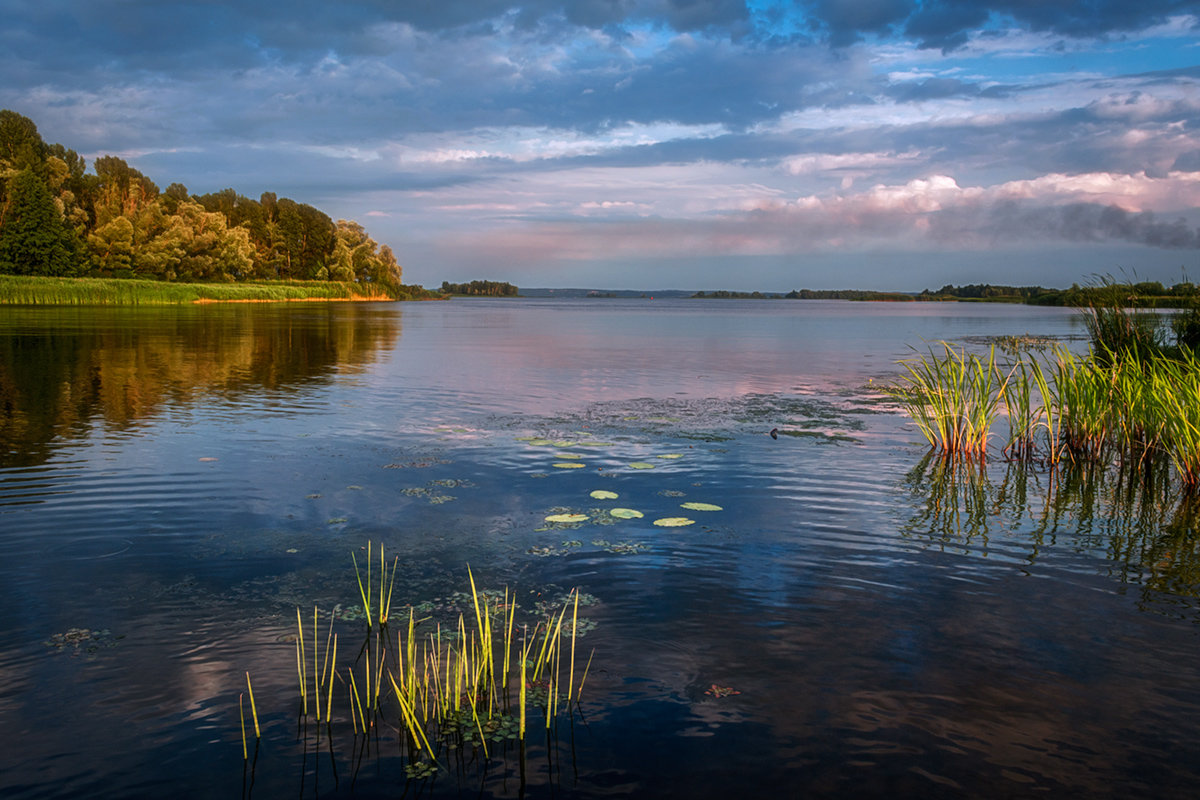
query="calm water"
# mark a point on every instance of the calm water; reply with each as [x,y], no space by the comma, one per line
[174,483]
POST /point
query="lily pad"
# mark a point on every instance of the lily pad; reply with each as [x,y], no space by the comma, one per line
[567,518]
[641,465]
[604,494]
[673,522]
[567,465]
[626,513]
[671,455]
[568,455]
[700,507]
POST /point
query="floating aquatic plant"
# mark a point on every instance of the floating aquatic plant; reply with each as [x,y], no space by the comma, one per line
[641,465]
[568,518]
[625,513]
[604,494]
[673,522]
[700,507]
[83,640]
[621,548]
[671,456]
[568,465]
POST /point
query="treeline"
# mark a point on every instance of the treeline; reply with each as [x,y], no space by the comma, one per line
[57,219]
[1146,294]
[810,294]
[480,289]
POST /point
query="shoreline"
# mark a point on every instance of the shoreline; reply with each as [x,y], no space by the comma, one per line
[38,291]
[382,298]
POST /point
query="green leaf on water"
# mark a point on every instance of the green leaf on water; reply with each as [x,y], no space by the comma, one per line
[567,465]
[625,513]
[671,455]
[700,507]
[604,494]
[641,465]
[673,522]
[568,455]
[567,518]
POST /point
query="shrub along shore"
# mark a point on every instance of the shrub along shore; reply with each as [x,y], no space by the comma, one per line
[28,290]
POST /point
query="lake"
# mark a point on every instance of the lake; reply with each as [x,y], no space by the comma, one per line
[856,620]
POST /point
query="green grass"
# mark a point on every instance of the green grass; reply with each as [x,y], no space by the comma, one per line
[24,290]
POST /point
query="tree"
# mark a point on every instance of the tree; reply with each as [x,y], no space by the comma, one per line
[34,239]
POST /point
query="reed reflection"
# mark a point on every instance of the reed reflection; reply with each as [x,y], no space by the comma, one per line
[63,368]
[1133,516]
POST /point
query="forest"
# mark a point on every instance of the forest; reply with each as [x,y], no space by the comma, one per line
[57,219]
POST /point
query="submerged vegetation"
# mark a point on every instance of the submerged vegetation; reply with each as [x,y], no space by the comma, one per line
[1132,399]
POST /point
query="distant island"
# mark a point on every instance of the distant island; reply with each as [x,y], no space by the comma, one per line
[59,221]
[480,289]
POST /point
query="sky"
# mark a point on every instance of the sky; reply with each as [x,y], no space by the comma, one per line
[695,144]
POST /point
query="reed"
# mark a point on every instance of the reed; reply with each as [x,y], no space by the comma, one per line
[253,708]
[242,715]
[953,398]
[1132,409]
[474,681]
[1024,418]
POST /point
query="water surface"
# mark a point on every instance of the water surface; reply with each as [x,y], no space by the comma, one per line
[174,483]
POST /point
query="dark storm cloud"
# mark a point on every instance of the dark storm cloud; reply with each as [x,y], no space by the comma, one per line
[1074,222]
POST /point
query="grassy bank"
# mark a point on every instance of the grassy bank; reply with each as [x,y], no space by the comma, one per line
[24,290]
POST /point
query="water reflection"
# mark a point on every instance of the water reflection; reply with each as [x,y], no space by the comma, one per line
[1131,516]
[63,368]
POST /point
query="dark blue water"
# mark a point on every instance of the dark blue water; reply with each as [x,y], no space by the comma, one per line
[174,483]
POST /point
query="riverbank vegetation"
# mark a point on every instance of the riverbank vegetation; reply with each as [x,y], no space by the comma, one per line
[30,290]
[57,219]
[1133,399]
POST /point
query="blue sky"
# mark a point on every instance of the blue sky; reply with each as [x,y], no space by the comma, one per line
[701,144]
